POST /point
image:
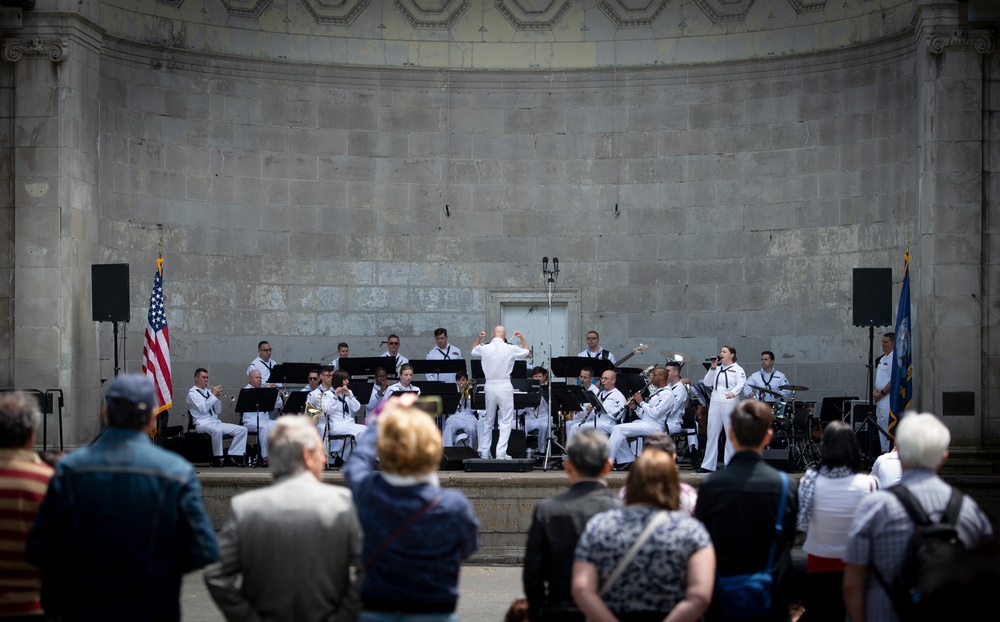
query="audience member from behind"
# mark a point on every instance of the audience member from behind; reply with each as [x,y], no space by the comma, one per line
[828,498]
[22,487]
[887,468]
[416,533]
[122,520]
[662,441]
[672,572]
[739,506]
[286,551]
[882,528]
[557,523]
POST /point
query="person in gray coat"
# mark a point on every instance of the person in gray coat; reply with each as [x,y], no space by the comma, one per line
[290,551]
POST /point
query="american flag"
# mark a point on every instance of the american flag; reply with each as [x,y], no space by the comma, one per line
[156,349]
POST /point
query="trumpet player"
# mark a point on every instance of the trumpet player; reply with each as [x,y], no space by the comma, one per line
[339,407]
[653,417]
[260,421]
[204,408]
[461,426]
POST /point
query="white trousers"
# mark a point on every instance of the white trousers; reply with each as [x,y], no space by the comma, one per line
[540,425]
[882,418]
[719,421]
[499,397]
[618,443]
[216,429]
[604,423]
[250,423]
[460,422]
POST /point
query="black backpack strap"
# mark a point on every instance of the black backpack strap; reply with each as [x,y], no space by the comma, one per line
[911,505]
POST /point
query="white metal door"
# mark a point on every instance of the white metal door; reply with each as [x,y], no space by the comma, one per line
[533,322]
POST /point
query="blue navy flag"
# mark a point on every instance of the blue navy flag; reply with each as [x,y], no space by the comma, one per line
[901,387]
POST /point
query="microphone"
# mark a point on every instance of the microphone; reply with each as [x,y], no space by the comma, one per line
[545,264]
[555,264]
[711,358]
[382,343]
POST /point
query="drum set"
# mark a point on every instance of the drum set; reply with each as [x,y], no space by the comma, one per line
[794,429]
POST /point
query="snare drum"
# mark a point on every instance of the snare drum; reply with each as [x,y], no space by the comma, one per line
[781,410]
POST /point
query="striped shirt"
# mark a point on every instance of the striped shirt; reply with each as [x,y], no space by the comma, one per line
[23,481]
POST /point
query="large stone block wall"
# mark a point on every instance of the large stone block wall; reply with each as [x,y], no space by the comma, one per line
[309,207]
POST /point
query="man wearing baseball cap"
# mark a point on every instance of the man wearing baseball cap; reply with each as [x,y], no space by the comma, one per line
[122,520]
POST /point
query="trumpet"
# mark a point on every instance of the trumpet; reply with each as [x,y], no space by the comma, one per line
[222,395]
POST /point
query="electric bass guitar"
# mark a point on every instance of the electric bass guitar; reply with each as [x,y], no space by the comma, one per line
[642,347]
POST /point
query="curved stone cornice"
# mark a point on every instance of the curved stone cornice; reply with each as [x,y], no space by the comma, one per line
[341,13]
[533,14]
[980,40]
[804,6]
[633,14]
[246,8]
[725,10]
[14,49]
[419,14]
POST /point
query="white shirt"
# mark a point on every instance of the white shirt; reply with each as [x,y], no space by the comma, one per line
[612,401]
[448,353]
[770,381]
[264,368]
[656,408]
[722,380]
[337,408]
[835,500]
[498,358]
[399,388]
[203,406]
[677,407]
[598,355]
[883,374]
[888,469]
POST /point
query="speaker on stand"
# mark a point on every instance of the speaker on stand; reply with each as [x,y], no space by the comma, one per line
[110,296]
[872,307]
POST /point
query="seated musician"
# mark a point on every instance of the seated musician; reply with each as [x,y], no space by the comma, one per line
[461,426]
[379,387]
[652,414]
[404,385]
[260,422]
[536,418]
[613,403]
[335,398]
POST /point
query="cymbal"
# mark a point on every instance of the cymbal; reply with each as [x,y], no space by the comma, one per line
[794,387]
[763,390]
[670,355]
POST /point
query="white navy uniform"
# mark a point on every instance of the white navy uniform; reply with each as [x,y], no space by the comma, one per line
[266,419]
[599,355]
[399,388]
[722,380]
[613,402]
[652,418]
[448,353]
[463,420]
[768,381]
[498,358]
[263,367]
[339,411]
[883,376]
[205,408]
[536,419]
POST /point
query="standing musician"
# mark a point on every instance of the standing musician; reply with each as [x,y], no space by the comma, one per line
[443,351]
[726,380]
[767,377]
[498,362]
[652,417]
[594,349]
[462,425]
[614,407]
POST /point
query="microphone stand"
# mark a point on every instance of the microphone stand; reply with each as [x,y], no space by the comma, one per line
[550,277]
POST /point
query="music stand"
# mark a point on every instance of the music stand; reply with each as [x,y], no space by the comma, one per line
[520,369]
[362,389]
[438,366]
[252,400]
[365,366]
[570,366]
[291,373]
[296,403]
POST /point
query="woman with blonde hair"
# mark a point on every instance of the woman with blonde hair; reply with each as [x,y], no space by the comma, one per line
[648,560]
[416,533]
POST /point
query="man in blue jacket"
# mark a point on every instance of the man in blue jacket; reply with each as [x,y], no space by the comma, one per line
[122,520]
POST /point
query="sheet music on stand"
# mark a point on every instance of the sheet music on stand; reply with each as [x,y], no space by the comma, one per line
[263,399]
[447,391]
[365,366]
[438,366]
[291,373]
[295,404]
[520,370]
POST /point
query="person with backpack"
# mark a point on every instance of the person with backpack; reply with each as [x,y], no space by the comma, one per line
[887,553]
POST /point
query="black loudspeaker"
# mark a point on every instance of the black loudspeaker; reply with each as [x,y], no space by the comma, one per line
[873,296]
[109,292]
[778,458]
[516,446]
[454,457]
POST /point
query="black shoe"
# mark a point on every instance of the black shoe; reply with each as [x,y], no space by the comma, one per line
[262,463]
[236,461]
[622,467]
[703,470]
[217,462]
